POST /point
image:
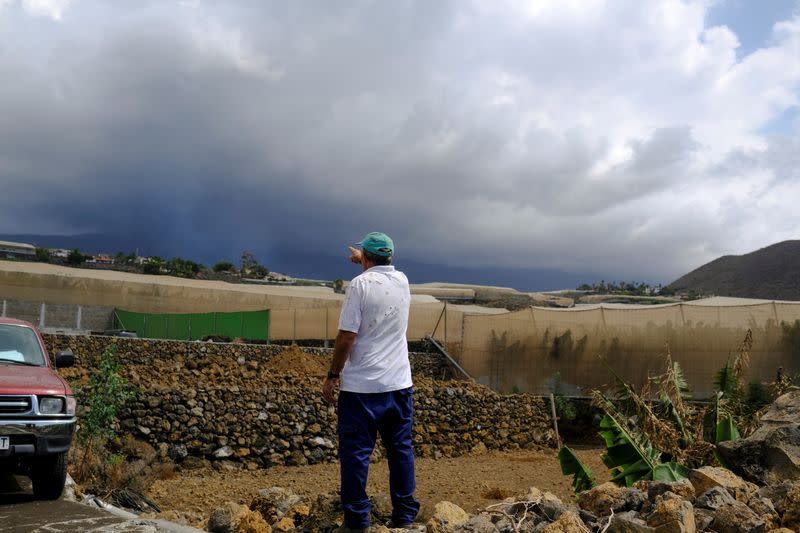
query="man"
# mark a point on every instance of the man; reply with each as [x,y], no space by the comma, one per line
[371,355]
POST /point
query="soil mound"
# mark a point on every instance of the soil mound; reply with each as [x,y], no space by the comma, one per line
[295,360]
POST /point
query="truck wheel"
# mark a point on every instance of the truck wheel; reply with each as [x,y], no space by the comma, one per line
[49,473]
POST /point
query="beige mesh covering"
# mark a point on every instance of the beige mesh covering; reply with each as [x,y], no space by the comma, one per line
[522,350]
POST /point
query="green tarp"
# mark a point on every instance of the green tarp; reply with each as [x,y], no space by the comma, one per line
[246,325]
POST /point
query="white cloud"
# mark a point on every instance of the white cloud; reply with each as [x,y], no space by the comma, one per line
[53,9]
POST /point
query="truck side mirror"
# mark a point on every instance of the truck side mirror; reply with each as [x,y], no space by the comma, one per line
[65,359]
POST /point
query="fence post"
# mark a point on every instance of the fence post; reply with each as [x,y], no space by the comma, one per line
[79,318]
[42,311]
[326,326]
[4,308]
[294,327]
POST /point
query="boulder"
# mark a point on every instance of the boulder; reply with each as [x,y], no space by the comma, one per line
[682,488]
[672,515]
[703,518]
[568,522]
[772,453]
[551,507]
[765,510]
[777,493]
[381,508]
[629,522]
[765,457]
[447,516]
[235,518]
[274,502]
[713,498]
[481,523]
[737,517]
[711,476]
[325,513]
[789,507]
[601,500]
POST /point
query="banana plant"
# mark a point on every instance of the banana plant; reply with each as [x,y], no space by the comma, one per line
[629,453]
[571,464]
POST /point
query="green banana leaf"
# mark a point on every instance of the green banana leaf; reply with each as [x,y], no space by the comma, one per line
[629,454]
[669,472]
[726,430]
[629,457]
[570,464]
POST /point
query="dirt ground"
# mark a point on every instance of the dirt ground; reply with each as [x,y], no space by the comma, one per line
[473,482]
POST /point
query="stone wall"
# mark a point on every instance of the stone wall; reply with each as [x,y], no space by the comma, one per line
[261,405]
[87,349]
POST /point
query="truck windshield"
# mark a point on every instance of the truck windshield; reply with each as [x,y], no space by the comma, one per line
[20,345]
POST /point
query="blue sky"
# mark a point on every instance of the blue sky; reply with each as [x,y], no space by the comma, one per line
[618,139]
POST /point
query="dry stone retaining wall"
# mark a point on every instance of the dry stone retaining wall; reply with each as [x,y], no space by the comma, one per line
[243,403]
[87,350]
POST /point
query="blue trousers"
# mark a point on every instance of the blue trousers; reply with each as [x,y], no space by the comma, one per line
[361,417]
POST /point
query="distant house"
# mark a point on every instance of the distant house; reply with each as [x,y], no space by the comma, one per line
[59,253]
[140,260]
[17,250]
[278,277]
[102,259]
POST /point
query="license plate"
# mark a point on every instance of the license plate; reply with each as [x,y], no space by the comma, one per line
[5,442]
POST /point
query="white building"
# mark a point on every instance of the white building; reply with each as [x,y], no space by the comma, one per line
[17,250]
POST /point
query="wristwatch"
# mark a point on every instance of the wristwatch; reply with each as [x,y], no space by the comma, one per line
[331,375]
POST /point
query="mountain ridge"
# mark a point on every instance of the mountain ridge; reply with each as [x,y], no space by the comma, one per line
[771,273]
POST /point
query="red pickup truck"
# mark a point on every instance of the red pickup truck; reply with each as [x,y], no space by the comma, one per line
[37,409]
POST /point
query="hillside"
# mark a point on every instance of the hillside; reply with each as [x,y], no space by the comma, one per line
[772,273]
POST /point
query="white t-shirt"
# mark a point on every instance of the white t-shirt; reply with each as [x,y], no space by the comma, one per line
[376,310]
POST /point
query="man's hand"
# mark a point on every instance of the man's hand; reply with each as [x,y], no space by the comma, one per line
[329,389]
[355,255]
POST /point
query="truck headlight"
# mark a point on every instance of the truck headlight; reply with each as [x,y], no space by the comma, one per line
[51,406]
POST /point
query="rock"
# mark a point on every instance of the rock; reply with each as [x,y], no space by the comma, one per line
[714,498]
[447,516]
[325,513]
[477,524]
[235,518]
[221,519]
[765,510]
[273,503]
[178,453]
[765,457]
[568,522]
[782,530]
[772,453]
[703,518]
[672,515]
[601,500]
[284,524]
[629,522]
[225,451]
[381,508]
[737,517]
[711,476]
[252,523]
[789,507]
[682,488]
[479,449]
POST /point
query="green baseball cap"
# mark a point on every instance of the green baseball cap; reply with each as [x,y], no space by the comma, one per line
[377,243]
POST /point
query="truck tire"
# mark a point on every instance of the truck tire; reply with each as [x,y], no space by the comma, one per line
[49,473]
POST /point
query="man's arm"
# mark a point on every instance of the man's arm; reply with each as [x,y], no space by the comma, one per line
[341,351]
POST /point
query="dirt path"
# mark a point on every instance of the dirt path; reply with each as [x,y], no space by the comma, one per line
[471,482]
